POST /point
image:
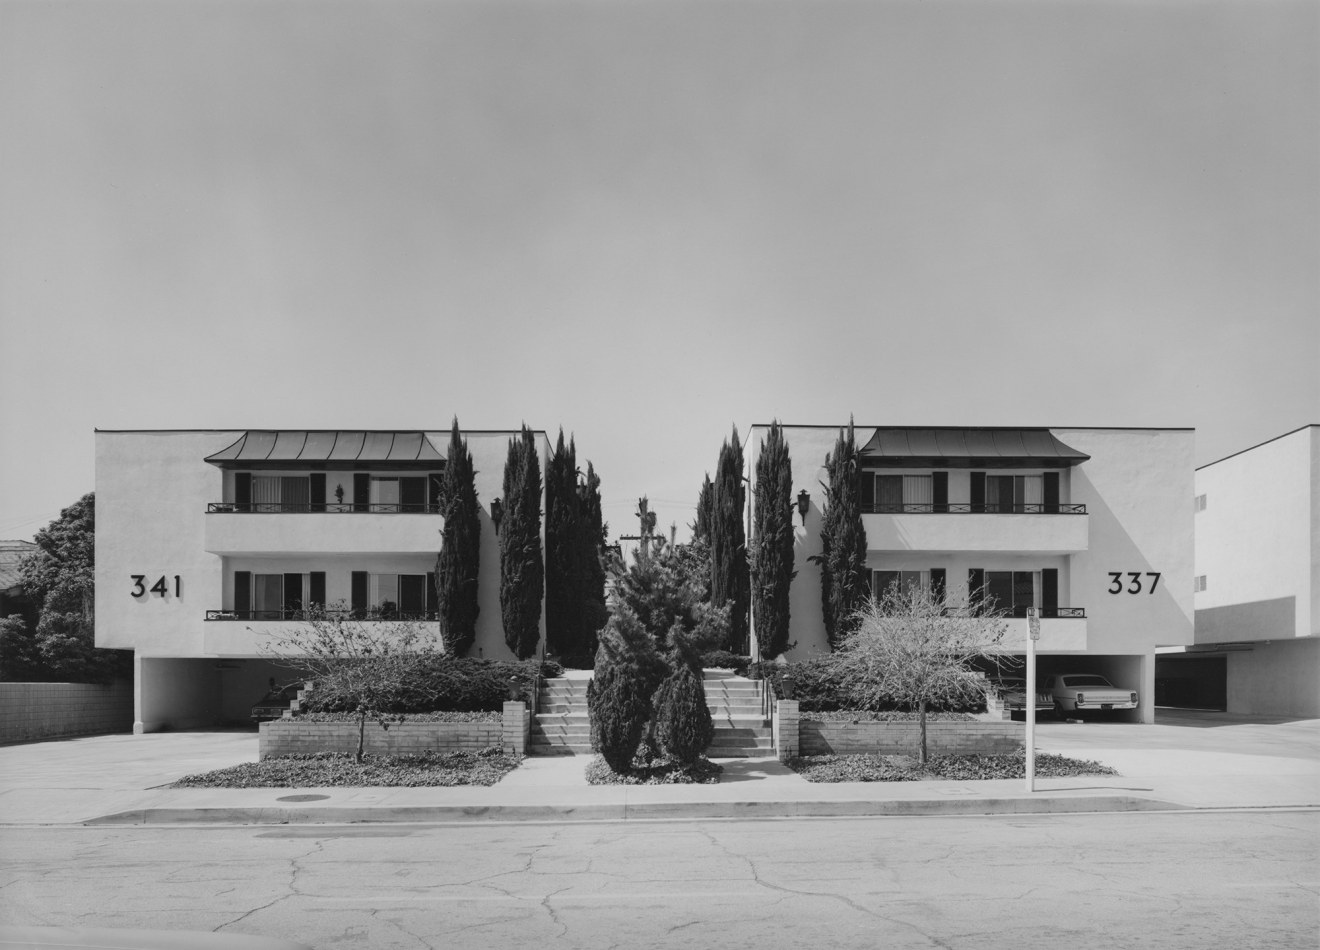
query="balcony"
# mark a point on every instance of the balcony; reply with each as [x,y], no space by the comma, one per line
[1043,529]
[263,632]
[273,528]
[1061,629]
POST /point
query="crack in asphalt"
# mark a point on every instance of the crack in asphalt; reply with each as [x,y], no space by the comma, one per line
[291,889]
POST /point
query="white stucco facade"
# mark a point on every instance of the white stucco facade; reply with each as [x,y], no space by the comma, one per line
[173,519]
[1120,506]
[1257,575]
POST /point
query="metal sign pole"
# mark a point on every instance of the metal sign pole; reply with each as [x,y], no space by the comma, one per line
[1033,631]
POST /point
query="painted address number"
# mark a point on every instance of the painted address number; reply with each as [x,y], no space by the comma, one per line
[160,587]
[1133,583]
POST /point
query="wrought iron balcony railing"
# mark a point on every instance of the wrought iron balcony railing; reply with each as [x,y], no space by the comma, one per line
[1052,613]
[961,508]
[333,507]
[372,613]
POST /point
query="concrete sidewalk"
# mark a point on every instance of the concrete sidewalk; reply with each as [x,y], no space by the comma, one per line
[1224,763]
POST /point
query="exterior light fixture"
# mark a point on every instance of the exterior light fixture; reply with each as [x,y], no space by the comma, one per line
[497,513]
[804,504]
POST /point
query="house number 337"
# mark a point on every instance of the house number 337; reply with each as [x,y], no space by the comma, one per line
[160,587]
[1130,581]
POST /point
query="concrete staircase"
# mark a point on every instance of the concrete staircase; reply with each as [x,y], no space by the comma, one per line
[561,727]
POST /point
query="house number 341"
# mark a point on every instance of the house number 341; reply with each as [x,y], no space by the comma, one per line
[160,587]
[1132,584]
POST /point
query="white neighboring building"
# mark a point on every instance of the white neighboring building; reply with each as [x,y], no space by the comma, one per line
[1092,526]
[1257,583]
[209,541]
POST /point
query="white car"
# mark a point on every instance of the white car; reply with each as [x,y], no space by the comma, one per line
[1083,692]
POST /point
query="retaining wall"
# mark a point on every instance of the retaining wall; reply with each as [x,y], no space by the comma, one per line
[33,711]
[293,735]
[796,736]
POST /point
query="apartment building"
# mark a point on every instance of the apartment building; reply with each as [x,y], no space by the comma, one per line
[1257,584]
[209,543]
[1091,526]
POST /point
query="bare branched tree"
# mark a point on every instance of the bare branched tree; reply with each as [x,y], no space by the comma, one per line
[356,666]
[912,648]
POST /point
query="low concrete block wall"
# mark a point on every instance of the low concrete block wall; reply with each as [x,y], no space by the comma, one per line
[288,736]
[33,711]
[902,738]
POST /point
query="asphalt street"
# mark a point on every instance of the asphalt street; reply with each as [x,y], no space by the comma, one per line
[1139,879]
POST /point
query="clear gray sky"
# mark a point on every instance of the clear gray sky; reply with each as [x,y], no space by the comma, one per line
[647,221]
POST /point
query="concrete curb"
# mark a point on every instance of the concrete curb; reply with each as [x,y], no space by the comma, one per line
[648,811]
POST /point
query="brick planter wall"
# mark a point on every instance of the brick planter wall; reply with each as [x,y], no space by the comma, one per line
[286,736]
[901,738]
[32,711]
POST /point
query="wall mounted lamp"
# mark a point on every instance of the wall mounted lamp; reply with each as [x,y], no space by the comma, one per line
[804,505]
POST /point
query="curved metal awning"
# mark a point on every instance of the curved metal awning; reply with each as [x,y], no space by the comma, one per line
[322,449]
[968,448]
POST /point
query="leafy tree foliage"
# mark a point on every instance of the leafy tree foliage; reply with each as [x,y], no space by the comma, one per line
[20,655]
[729,580]
[456,570]
[59,576]
[772,553]
[912,649]
[362,664]
[844,585]
[522,570]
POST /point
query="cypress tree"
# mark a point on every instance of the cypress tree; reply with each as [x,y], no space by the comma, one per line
[701,528]
[683,724]
[563,567]
[772,555]
[728,542]
[591,564]
[844,585]
[522,571]
[460,552]
[627,672]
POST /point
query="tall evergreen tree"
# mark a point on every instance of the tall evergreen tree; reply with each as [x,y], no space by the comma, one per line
[728,542]
[772,547]
[522,570]
[701,528]
[844,585]
[460,552]
[591,553]
[563,558]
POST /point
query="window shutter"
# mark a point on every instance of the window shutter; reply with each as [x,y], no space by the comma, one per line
[435,481]
[293,592]
[937,582]
[867,492]
[242,591]
[361,491]
[317,491]
[316,589]
[939,491]
[432,596]
[978,491]
[975,588]
[1049,590]
[359,591]
[1051,492]
[243,492]
[412,493]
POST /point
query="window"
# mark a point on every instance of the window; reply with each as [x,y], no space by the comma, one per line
[1198,583]
[895,494]
[1012,492]
[390,596]
[1012,592]
[1200,503]
[276,596]
[883,582]
[277,493]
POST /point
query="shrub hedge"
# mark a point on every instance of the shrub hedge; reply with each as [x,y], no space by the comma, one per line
[818,689]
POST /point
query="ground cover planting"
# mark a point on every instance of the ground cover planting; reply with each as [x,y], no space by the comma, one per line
[701,772]
[334,769]
[957,768]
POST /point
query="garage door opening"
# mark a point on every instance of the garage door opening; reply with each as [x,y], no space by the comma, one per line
[1191,682]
